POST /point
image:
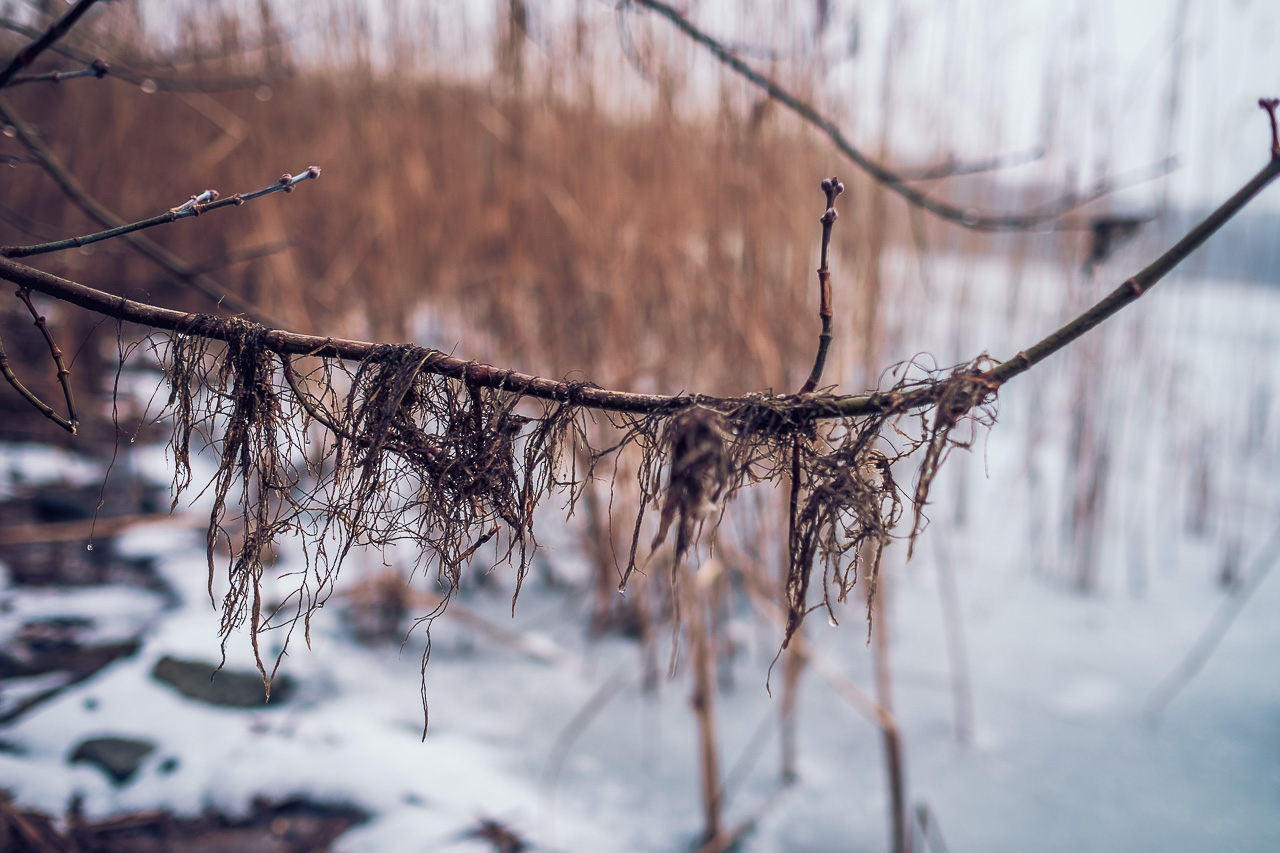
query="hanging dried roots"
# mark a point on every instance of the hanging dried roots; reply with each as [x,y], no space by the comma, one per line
[387,451]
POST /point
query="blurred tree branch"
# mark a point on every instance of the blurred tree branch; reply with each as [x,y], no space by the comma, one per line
[899,182]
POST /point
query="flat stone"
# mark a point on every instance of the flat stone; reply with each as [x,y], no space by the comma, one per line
[117,757]
[227,688]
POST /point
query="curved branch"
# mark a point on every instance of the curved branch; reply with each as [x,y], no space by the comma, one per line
[1144,280]
[795,410]
[889,179]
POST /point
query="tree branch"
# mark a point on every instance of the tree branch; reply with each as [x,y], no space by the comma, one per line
[28,54]
[1143,281]
[98,68]
[796,410]
[55,352]
[205,202]
[148,248]
[889,179]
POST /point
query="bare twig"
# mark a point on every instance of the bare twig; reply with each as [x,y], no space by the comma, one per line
[28,54]
[98,68]
[953,168]
[241,256]
[1204,647]
[832,187]
[64,374]
[894,181]
[1147,278]
[162,82]
[26,394]
[573,729]
[149,249]
[205,202]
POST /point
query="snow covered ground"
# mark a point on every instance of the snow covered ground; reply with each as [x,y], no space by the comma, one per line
[1064,754]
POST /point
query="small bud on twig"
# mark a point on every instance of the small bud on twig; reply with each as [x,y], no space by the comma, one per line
[1270,104]
[832,186]
[830,216]
[100,68]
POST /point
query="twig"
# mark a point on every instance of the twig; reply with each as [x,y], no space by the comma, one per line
[795,586]
[149,249]
[1139,284]
[1204,647]
[573,729]
[832,187]
[241,256]
[28,54]
[953,168]
[930,834]
[98,68]
[891,180]
[205,202]
[39,404]
[163,83]
[63,372]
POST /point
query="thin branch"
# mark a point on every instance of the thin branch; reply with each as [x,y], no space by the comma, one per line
[894,181]
[1147,278]
[1204,647]
[953,168]
[138,76]
[28,54]
[832,187]
[787,408]
[149,249]
[242,256]
[40,405]
[205,202]
[797,574]
[98,68]
[55,353]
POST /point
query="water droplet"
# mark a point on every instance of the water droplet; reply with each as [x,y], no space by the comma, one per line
[9,131]
[262,93]
[90,548]
[149,86]
[831,620]
[132,439]
[970,216]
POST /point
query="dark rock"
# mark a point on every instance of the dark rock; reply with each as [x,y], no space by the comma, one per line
[290,827]
[119,758]
[202,681]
